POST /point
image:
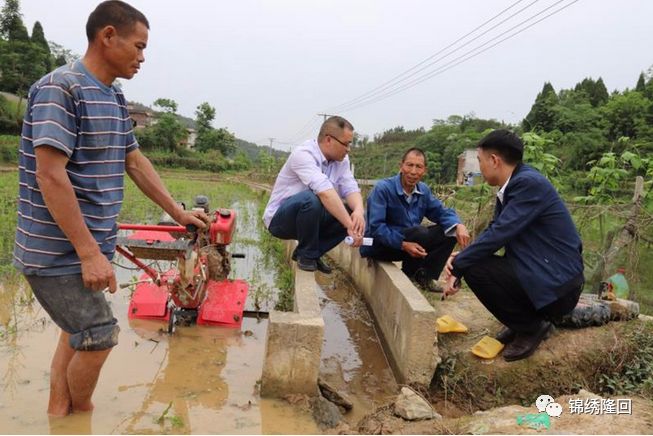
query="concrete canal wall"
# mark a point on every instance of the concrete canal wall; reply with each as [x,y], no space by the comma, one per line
[294,340]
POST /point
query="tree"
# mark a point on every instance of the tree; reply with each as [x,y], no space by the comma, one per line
[641,83]
[600,94]
[595,91]
[627,114]
[167,132]
[168,105]
[11,22]
[38,38]
[205,114]
[216,139]
[61,54]
[208,138]
[21,64]
[541,115]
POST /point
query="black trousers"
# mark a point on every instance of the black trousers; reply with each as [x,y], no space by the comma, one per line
[432,239]
[495,284]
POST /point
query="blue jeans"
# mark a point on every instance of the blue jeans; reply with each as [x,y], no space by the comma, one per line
[303,217]
[83,313]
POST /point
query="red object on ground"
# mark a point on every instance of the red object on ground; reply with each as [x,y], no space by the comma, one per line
[224,303]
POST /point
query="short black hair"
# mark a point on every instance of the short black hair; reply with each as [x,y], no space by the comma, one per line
[415,150]
[505,143]
[334,125]
[114,13]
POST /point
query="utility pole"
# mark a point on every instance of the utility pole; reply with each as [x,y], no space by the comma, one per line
[271,141]
[324,115]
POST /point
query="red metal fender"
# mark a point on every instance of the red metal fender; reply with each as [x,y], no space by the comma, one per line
[224,303]
[150,301]
[151,235]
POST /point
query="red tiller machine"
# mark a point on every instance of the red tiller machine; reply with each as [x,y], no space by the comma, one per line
[195,287]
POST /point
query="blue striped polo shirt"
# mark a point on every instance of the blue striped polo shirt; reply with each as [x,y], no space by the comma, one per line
[72,111]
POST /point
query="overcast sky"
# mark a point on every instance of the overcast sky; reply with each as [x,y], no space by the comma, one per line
[268,67]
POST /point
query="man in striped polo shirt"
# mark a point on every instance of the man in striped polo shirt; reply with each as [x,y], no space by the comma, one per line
[77,142]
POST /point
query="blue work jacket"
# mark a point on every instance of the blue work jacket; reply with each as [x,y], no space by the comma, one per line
[388,212]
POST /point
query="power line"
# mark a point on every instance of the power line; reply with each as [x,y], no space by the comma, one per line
[310,127]
[385,90]
[311,124]
[398,78]
[453,62]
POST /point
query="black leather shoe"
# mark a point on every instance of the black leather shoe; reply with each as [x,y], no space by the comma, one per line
[506,335]
[525,344]
[306,264]
[323,267]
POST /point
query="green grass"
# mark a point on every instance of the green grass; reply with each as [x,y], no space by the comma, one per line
[137,208]
[15,106]
[8,205]
[9,149]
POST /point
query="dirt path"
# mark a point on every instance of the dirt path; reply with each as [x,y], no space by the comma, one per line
[506,420]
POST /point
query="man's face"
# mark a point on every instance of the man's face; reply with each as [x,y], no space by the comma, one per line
[125,52]
[412,169]
[338,145]
[487,161]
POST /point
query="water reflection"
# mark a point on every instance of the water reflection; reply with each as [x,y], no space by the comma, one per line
[200,380]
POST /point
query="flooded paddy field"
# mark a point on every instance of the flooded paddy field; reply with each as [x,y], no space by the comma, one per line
[200,379]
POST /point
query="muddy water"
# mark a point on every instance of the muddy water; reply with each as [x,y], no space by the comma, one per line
[201,380]
[353,360]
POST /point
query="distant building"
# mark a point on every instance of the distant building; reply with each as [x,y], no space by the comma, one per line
[141,118]
[189,142]
[469,171]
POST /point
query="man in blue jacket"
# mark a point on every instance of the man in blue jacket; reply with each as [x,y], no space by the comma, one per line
[395,210]
[540,277]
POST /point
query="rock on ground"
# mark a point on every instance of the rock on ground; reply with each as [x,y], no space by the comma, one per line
[411,406]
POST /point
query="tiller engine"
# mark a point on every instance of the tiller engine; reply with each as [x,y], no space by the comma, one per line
[195,287]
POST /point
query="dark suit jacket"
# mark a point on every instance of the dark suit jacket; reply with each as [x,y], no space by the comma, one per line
[539,236]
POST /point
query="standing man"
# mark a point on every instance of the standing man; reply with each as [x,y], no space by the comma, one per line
[540,277]
[307,198]
[395,210]
[77,142]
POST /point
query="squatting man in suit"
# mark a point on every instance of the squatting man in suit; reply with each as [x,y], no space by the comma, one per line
[307,198]
[395,210]
[540,277]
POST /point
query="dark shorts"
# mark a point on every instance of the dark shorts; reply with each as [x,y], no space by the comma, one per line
[83,313]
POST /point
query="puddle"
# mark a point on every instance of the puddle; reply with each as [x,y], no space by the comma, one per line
[206,377]
[353,360]
[201,380]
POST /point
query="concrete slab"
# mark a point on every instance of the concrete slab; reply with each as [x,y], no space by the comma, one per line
[294,341]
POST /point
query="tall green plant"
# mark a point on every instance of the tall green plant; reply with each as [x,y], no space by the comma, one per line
[536,156]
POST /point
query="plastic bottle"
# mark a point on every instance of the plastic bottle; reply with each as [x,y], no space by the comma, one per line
[619,283]
[366,241]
